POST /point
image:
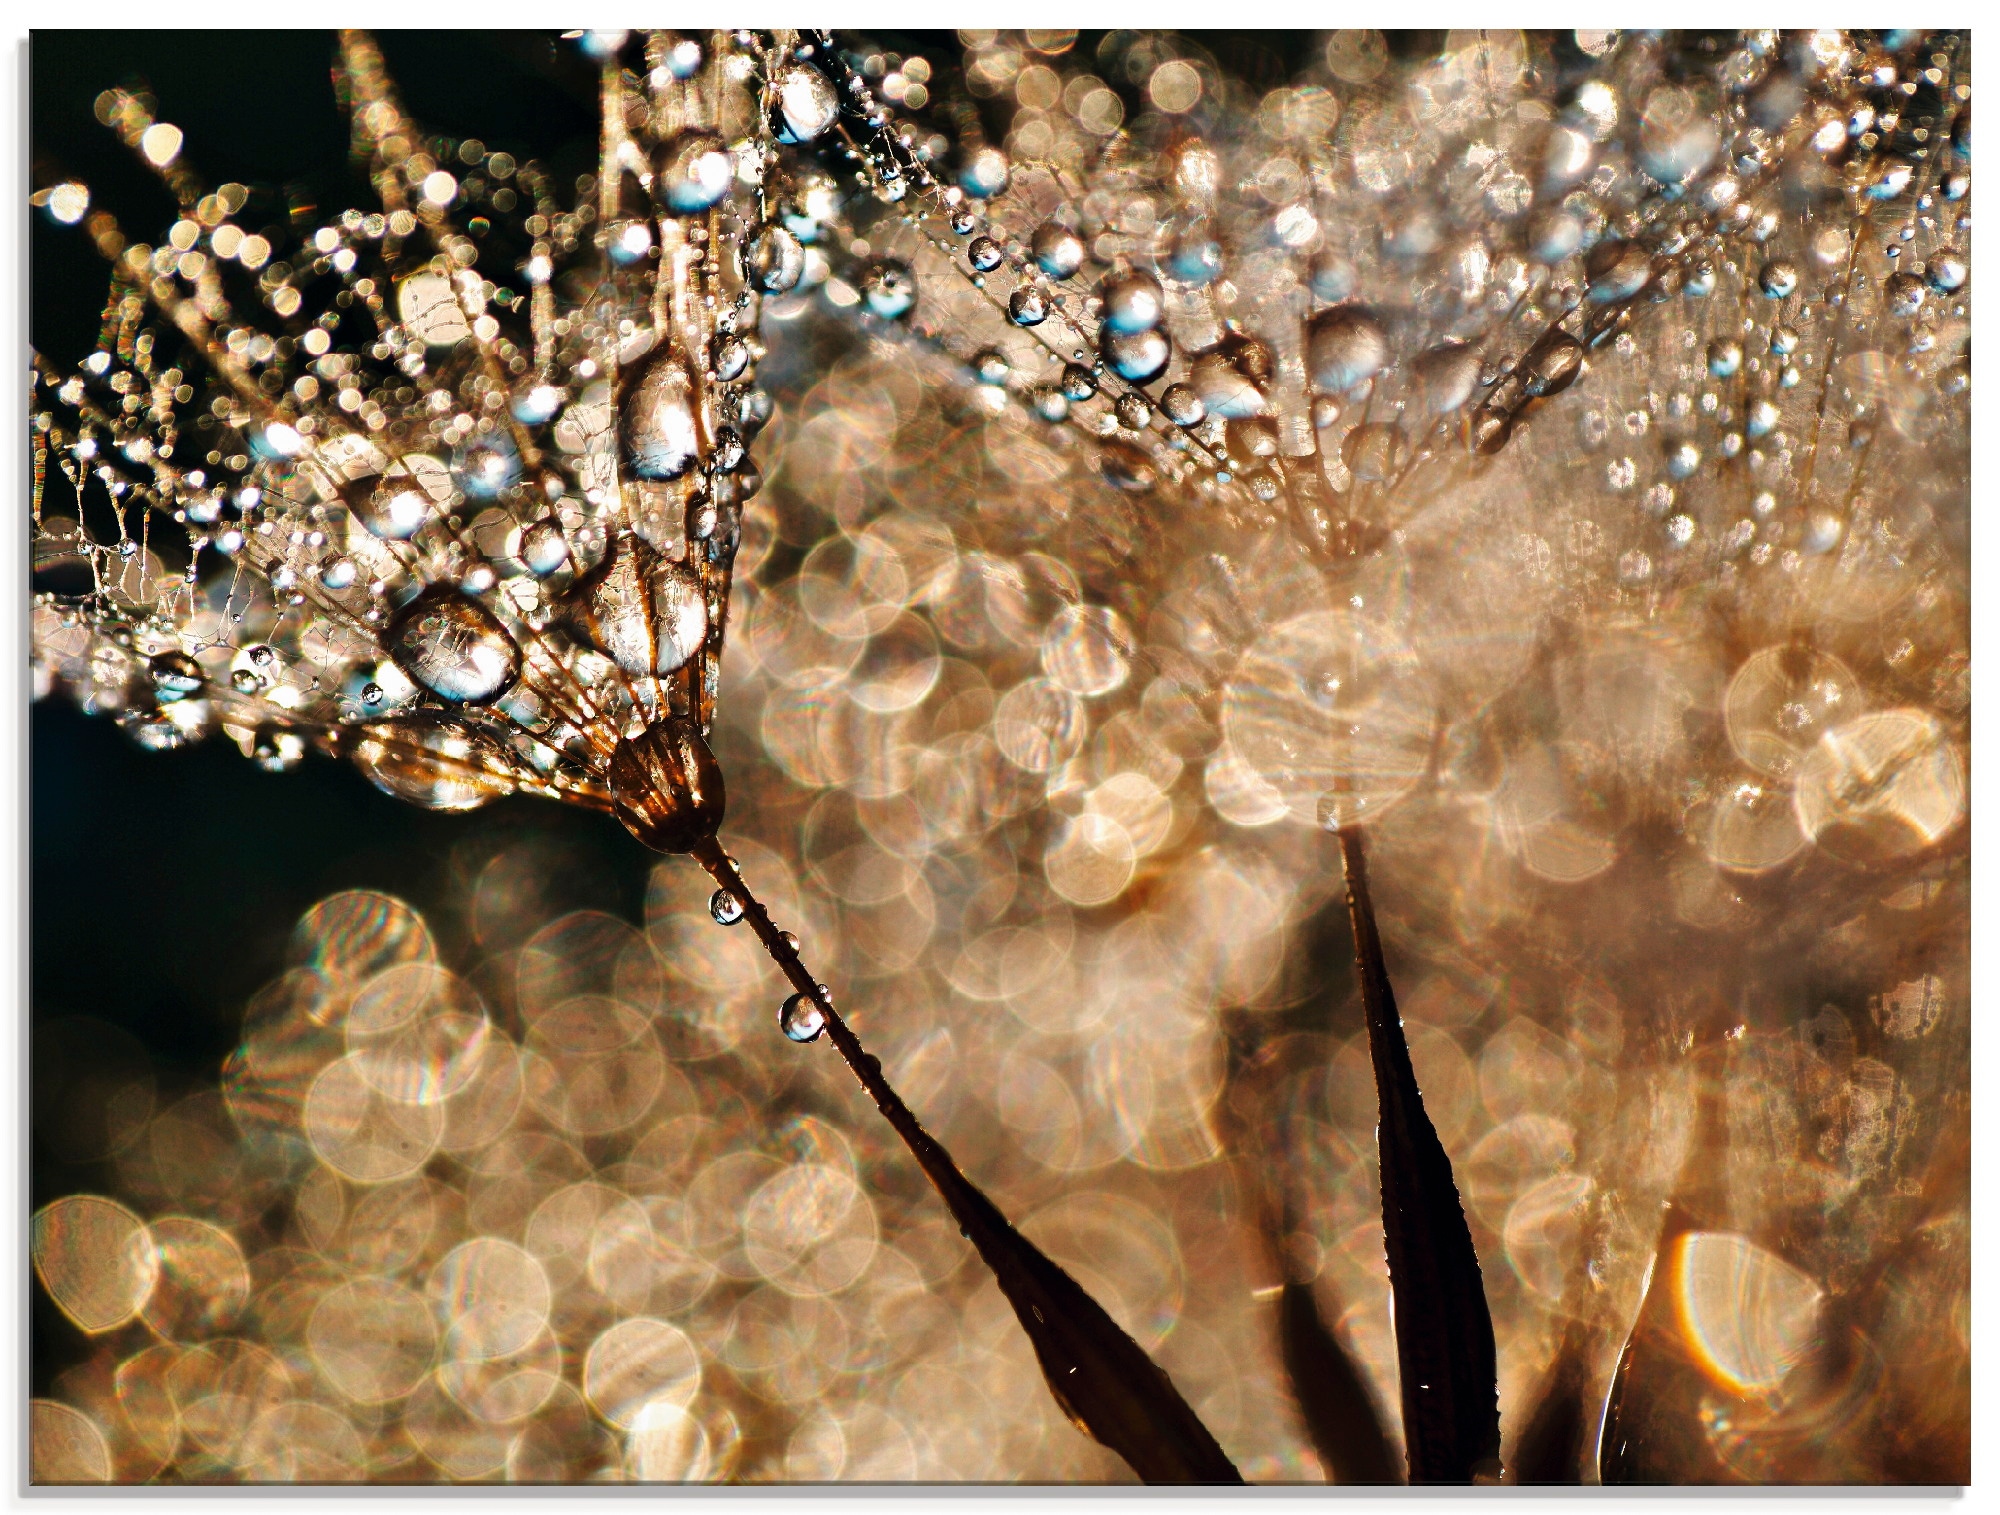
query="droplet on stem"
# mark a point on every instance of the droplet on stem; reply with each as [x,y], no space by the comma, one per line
[801,1018]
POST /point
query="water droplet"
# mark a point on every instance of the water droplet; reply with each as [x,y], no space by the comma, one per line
[807,104]
[542,547]
[1133,412]
[1617,270]
[1487,430]
[1343,347]
[1058,250]
[339,574]
[1223,389]
[646,613]
[1332,277]
[691,173]
[394,508]
[801,1018]
[889,289]
[656,421]
[175,676]
[1078,383]
[1137,357]
[454,647]
[725,908]
[732,360]
[1778,278]
[984,254]
[666,786]
[1904,294]
[1196,259]
[1947,270]
[486,464]
[989,366]
[1133,302]
[371,693]
[1051,405]
[1725,357]
[985,174]
[1552,365]
[775,260]
[1447,375]
[1028,306]
[1182,406]
[1683,458]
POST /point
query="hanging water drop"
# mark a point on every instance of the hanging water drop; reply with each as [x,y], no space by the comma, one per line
[656,421]
[775,261]
[984,254]
[725,907]
[542,548]
[394,508]
[801,1018]
[486,464]
[985,174]
[807,104]
[1343,347]
[454,647]
[1058,250]
[175,676]
[1133,303]
[1028,306]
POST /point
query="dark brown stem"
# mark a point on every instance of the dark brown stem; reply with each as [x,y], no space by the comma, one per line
[1101,1377]
[1444,1331]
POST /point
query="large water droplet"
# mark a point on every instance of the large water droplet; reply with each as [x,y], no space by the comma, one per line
[1028,306]
[657,436]
[646,613]
[393,507]
[985,174]
[454,647]
[175,676]
[1134,302]
[775,260]
[1345,346]
[666,786]
[807,104]
[1138,357]
[437,763]
[1057,249]
[486,464]
[725,907]
[801,1018]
